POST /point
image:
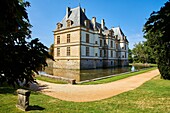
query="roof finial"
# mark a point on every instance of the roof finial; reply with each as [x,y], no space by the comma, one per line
[79,4]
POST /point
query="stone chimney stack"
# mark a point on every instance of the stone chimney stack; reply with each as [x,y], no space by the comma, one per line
[84,10]
[68,12]
[94,22]
[102,24]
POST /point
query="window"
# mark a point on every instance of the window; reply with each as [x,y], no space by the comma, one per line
[58,51]
[111,53]
[95,54]
[59,25]
[95,42]
[125,55]
[69,22]
[68,51]
[116,46]
[58,39]
[105,54]
[100,53]
[87,23]
[105,42]
[87,51]
[68,38]
[111,44]
[100,42]
[122,47]
[87,38]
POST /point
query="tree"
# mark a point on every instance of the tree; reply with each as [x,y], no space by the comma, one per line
[51,50]
[130,59]
[20,55]
[157,33]
[139,52]
[143,53]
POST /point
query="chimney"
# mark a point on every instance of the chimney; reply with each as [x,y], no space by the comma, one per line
[67,12]
[102,24]
[94,22]
[84,10]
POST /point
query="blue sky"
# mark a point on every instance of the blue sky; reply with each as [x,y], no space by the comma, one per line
[130,15]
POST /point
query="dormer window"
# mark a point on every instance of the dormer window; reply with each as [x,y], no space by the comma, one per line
[59,25]
[110,32]
[87,23]
[69,23]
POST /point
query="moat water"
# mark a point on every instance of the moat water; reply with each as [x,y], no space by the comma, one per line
[82,75]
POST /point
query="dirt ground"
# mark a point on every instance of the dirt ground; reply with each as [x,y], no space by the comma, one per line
[87,93]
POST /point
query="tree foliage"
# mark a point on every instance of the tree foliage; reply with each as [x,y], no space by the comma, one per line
[157,33]
[20,55]
[51,50]
[130,59]
[143,53]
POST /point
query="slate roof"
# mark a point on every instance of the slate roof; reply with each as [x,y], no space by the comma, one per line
[118,31]
[77,16]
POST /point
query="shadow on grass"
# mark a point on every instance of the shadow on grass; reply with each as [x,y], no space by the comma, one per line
[34,107]
[6,90]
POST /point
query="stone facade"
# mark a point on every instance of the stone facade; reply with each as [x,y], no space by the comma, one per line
[80,43]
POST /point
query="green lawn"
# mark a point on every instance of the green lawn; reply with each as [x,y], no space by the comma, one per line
[152,97]
[121,76]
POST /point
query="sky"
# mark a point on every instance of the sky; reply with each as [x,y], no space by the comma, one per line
[130,15]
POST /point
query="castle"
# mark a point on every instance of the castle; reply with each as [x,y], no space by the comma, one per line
[81,43]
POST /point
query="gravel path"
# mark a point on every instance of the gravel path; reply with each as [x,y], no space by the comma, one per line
[87,93]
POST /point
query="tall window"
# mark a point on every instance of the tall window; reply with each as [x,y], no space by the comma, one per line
[87,38]
[58,39]
[111,53]
[58,51]
[111,44]
[68,38]
[100,42]
[87,51]
[105,54]
[100,53]
[116,46]
[68,51]
[105,42]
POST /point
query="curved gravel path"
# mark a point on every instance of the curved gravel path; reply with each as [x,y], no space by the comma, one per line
[86,93]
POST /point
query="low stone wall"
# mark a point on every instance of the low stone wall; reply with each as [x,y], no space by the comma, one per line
[68,80]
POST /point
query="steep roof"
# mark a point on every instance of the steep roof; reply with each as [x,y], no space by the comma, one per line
[77,16]
[119,33]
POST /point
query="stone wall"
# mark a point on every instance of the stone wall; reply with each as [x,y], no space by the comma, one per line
[87,64]
[66,64]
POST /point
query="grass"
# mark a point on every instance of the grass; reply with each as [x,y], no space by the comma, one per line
[152,97]
[143,64]
[47,79]
[115,78]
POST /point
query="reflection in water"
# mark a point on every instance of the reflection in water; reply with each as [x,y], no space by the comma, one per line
[81,75]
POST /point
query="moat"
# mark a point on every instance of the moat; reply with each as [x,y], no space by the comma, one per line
[82,75]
